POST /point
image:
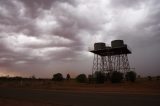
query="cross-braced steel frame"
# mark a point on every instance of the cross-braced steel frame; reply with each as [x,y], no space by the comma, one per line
[110,63]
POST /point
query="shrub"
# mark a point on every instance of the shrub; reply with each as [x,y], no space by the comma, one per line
[33,77]
[157,77]
[68,77]
[57,77]
[81,78]
[149,78]
[90,79]
[17,78]
[107,76]
[131,76]
[99,77]
[138,76]
[116,77]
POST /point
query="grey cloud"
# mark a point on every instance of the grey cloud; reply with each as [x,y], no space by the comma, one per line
[14,22]
[127,3]
[144,40]
[149,29]
[33,6]
[72,26]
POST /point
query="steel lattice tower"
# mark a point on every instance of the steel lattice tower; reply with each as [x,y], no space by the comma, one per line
[102,63]
[120,63]
[108,59]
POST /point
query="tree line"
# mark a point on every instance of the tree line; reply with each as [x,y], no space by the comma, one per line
[99,77]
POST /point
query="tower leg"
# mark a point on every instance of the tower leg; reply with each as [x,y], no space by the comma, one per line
[126,65]
[102,63]
[120,63]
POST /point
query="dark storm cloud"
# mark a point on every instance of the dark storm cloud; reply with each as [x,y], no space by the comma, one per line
[33,5]
[144,39]
[26,43]
[47,34]
[127,3]
[147,31]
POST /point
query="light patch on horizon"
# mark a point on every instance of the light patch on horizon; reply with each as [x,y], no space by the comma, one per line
[8,73]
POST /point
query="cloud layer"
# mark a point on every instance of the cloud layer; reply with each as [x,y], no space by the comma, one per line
[43,37]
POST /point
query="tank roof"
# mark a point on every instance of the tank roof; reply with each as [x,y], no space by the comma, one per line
[112,50]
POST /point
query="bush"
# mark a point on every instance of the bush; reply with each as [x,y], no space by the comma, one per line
[57,77]
[131,76]
[68,77]
[99,77]
[107,76]
[138,76]
[81,78]
[116,77]
[149,78]
[157,77]
[90,79]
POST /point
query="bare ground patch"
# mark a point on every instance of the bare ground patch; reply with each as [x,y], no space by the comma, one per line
[14,102]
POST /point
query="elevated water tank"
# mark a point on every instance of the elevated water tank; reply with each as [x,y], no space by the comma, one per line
[99,46]
[117,43]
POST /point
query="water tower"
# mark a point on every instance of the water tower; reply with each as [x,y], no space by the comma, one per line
[111,58]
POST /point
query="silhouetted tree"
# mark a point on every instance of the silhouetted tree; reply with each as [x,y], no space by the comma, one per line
[33,77]
[57,77]
[107,76]
[99,77]
[157,77]
[116,77]
[81,78]
[17,78]
[138,76]
[149,78]
[68,77]
[90,79]
[4,78]
[130,76]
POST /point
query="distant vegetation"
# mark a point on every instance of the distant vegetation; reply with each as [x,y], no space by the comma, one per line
[116,77]
[100,77]
[81,78]
[58,77]
[130,76]
[97,78]
[149,78]
[68,77]
[7,78]
[158,77]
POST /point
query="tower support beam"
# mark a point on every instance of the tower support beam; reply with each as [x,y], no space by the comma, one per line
[110,63]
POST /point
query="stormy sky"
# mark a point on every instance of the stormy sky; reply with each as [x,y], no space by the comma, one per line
[43,37]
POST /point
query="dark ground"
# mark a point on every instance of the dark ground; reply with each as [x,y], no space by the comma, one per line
[70,98]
